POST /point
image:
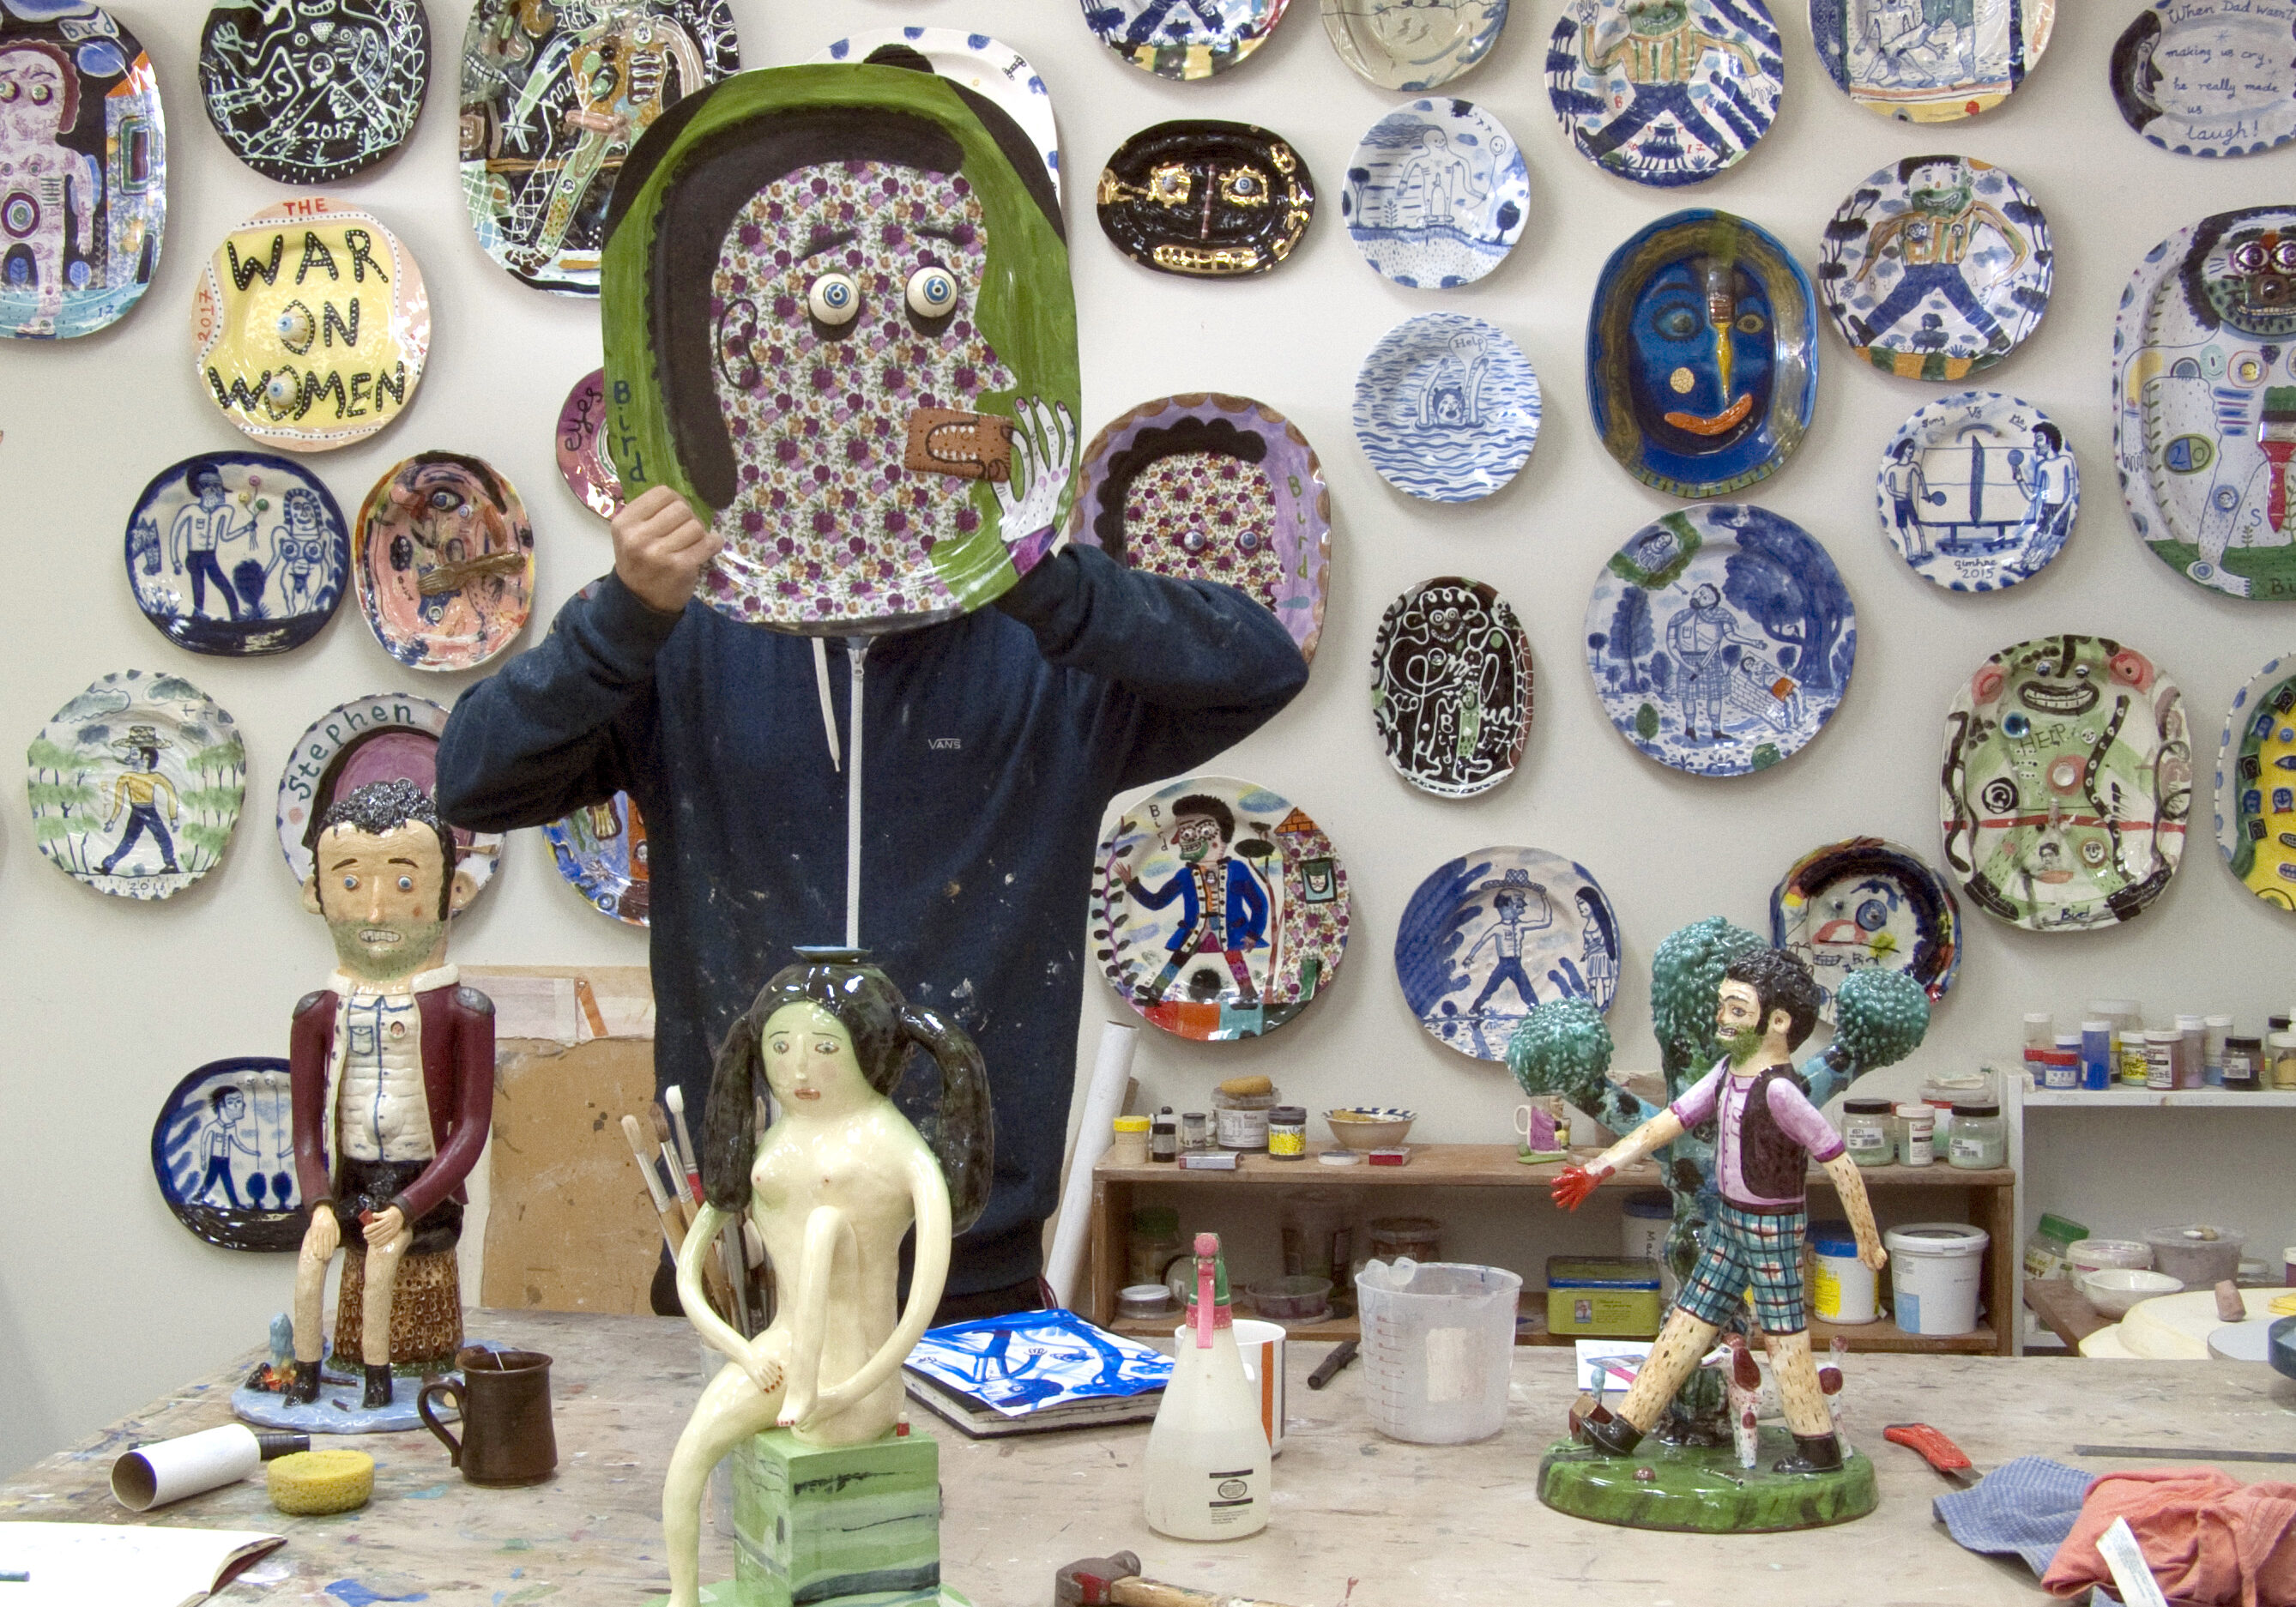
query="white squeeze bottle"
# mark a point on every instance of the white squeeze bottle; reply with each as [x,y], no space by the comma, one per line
[1208,1457]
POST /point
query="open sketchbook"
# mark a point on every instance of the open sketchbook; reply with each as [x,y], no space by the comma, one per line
[121,1565]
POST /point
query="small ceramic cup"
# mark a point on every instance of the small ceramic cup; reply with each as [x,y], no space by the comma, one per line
[504,1398]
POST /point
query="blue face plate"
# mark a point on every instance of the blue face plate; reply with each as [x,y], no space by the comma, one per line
[1702,367]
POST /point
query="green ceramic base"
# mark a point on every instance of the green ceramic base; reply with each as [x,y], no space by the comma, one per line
[723,1594]
[1703,1490]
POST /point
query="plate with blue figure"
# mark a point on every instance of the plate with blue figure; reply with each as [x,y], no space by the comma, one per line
[2255,784]
[1665,91]
[1205,200]
[222,1151]
[1452,686]
[601,851]
[1701,354]
[310,91]
[1721,639]
[1978,491]
[986,66]
[237,553]
[1937,267]
[388,736]
[1930,61]
[1412,45]
[1183,39]
[1447,408]
[1437,195]
[1866,903]
[83,170]
[2210,77]
[1490,936]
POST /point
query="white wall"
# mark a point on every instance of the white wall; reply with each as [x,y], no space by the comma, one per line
[104,1301]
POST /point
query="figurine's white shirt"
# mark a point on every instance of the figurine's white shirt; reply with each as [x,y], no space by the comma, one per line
[378,1109]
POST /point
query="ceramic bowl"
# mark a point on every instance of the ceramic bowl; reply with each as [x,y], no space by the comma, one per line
[2113,1290]
[1369,1127]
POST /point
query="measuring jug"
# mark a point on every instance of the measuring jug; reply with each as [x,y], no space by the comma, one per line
[1438,1343]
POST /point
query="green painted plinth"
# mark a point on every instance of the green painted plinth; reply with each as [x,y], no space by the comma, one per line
[849,1525]
[1703,1490]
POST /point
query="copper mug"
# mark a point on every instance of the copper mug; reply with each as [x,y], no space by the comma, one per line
[504,1398]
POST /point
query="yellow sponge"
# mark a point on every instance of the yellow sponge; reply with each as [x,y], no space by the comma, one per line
[309,1483]
[1245,1087]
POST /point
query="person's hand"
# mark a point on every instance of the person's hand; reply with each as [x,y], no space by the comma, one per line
[660,549]
[1043,452]
[764,1370]
[1873,1255]
[324,1237]
[384,1225]
[1576,1183]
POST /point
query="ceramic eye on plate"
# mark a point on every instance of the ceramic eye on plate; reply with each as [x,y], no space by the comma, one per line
[295,326]
[279,389]
[933,292]
[835,299]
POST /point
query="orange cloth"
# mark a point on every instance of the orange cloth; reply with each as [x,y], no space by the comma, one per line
[2211,1540]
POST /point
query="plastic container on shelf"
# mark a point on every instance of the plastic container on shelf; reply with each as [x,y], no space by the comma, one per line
[1916,1125]
[1942,1091]
[2098,1062]
[1409,1238]
[1842,1288]
[2047,1253]
[1239,1120]
[1644,1221]
[1153,1244]
[2218,1029]
[1981,1138]
[1438,1348]
[2201,1255]
[1287,1133]
[1936,1270]
[2095,1255]
[1128,1143]
[1865,1130]
[2244,1064]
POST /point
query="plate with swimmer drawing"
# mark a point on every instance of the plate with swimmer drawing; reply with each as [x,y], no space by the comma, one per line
[1447,408]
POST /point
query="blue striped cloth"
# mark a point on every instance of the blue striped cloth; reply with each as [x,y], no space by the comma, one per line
[2026,1506]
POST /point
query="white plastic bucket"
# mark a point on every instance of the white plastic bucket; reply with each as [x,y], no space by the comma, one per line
[1936,1269]
[1841,1286]
[1438,1345]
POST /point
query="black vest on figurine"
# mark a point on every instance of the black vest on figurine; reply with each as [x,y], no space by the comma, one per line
[1772,1161]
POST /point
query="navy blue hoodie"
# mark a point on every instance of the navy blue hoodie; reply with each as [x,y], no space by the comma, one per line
[992,744]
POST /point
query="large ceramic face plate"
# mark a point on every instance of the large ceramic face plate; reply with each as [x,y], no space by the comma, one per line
[1213,487]
[1447,408]
[83,170]
[1206,199]
[1451,687]
[601,851]
[223,1151]
[1701,354]
[1219,909]
[555,93]
[581,447]
[1665,91]
[1978,491]
[1437,195]
[1920,61]
[1489,937]
[310,91]
[1183,39]
[2210,77]
[444,558]
[311,325]
[2067,779]
[135,785]
[1865,904]
[2255,784]
[1721,639]
[2204,402]
[1409,44]
[988,67]
[389,736]
[237,553]
[1937,267]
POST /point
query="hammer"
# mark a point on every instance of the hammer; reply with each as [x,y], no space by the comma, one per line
[1116,1582]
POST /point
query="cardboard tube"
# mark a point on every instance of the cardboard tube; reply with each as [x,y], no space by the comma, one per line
[168,1469]
[1103,1101]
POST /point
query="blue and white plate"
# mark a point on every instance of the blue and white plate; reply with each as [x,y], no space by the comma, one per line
[237,553]
[1437,195]
[1978,491]
[222,1151]
[1447,408]
[1665,94]
[1183,39]
[1411,44]
[601,851]
[988,67]
[1926,61]
[2210,77]
[1720,639]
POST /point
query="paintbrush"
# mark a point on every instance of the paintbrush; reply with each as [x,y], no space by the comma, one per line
[674,1097]
[673,1230]
[687,1196]
[718,1275]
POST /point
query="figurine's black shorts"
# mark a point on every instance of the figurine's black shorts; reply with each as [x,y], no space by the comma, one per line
[369,1185]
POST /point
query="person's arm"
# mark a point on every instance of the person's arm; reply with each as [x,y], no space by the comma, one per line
[1571,1188]
[472,1048]
[928,1198]
[309,1047]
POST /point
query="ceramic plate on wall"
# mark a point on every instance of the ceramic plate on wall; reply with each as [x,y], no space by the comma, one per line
[222,1151]
[1488,937]
[239,553]
[135,785]
[1206,199]
[1690,403]
[1451,687]
[1213,487]
[1404,44]
[2067,780]
[389,736]
[444,559]
[1922,63]
[1247,967]
[1183,39]
[2255,784]
[2210,77]
[1437,195]
[601,851]
[988,67]
[1937,267]
[312,91]
[581,447]
[2204,402]
[1978,491]
[1721,639]
[1866,903]
[1447,408]
[1669,95]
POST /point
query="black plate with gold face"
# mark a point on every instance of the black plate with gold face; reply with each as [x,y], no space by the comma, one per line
[1206,199]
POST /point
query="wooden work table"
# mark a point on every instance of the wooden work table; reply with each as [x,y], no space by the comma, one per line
[1412,1525]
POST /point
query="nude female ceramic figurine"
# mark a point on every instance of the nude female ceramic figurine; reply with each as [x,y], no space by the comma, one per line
[833,1188]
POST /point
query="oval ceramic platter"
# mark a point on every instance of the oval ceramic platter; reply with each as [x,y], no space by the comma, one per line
[1451,687]
[2204,402]
[1213,487]
[1866,903]
[1220,909]
[1183,39]
[1720,639]
[1447,408]
[307,92]
[581,447]
[389,736]
[2255,784]
[83,170]
[988,67]
[222,1151]
[444,560]
[555,94]
[1701,354]
[237,553]
[1206,199]
[1937,267]
[1978,491]
[1437,195]
[1488,937]
[2210,77]
[1929,62]
[601,851]
[135,785]
[2067,780]
[1412,45]
[310,325]
[1665,91]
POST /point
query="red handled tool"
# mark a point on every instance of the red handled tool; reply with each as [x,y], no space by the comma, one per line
[1936,1450]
